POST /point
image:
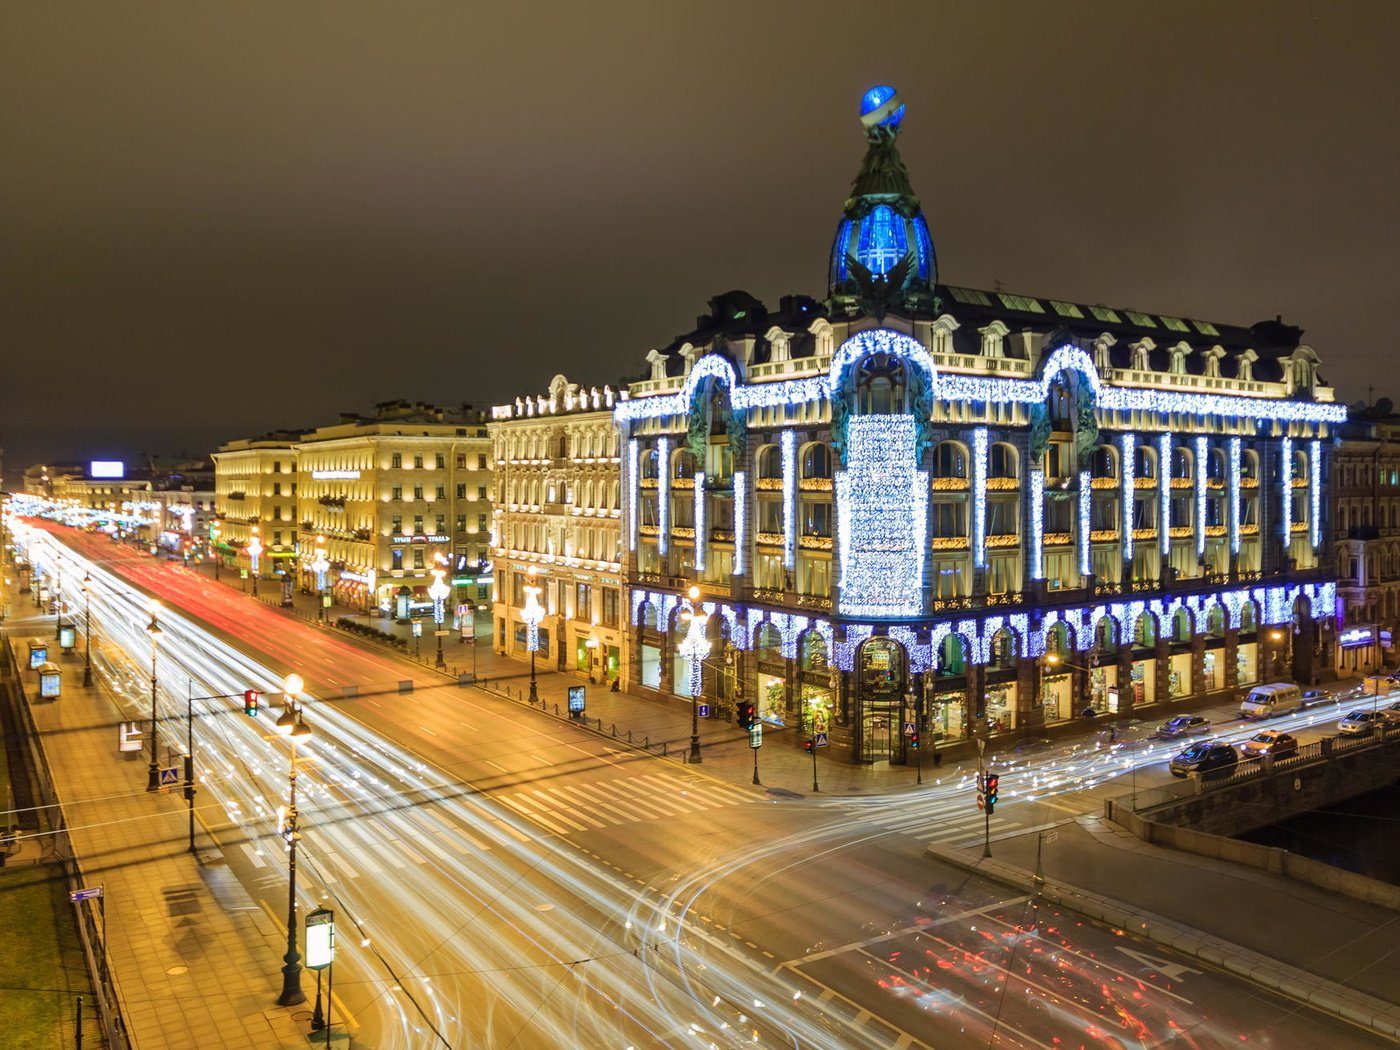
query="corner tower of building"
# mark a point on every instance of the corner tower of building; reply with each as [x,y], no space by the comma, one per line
[882,257]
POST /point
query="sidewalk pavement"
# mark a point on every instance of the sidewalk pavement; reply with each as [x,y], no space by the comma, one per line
[195,961]
[1333,952]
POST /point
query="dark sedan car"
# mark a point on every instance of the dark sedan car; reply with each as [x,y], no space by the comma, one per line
[1205,759]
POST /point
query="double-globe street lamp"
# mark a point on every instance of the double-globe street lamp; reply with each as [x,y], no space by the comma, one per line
[291,726]
[438,592]
[255,549]
[533,615]
[695,647]
[320,566]
[153,629]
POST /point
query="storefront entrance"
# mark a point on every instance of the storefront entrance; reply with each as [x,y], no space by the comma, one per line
[882,681]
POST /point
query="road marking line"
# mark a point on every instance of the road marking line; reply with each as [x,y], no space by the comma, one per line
[253,857]
[802,960]
[503,769]
[513,801]
[511,831]
[467,724]
[427,730]
[549,825]
[336,859]
[476,842]
[452,843]
[591,755]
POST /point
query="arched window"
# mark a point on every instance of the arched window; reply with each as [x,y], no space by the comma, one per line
[770,462]
[1144,462]
[952,656]
[883,241]
[814,655]
[949,460]
[1104,463]
[1002,461]
[1181,463]
[769,644]
[1106,635]
[1249,463]
[1146,631]
[684,464]
[1215,465]
[1181,626]
[1057,640]
[651,461]
[1249,617]
[1003,649]
[816,461]
[880,385]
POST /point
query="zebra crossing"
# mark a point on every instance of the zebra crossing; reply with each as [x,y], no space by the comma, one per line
[581,807]
[966,829]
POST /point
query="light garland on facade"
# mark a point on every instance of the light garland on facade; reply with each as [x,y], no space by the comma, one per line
[882,519]
[1164,493]
[1200,521]
[633,487]
[979,497]
[1315,492]
[1285,472]
[701,539]
[663,494]
[1086,496]
[741,495]
[789,453]
[1234,453]
[1127,468]
[1037,498]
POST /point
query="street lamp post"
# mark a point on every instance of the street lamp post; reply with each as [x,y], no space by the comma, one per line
[438,592]
[695,647]
[214,549]
[319,565]
[532,614]
[255,549]
[291,726]
[87,630]
[153,629]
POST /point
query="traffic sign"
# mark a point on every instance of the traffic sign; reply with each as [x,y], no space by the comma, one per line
[756,735]
[702,710]
[169,775]
[820,740]
[908,728]
[129,736]
[85,894]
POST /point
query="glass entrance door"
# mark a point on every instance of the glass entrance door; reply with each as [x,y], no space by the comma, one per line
[882,683]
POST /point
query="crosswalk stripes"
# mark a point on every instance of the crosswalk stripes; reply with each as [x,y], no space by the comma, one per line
[957,831]
[565,810]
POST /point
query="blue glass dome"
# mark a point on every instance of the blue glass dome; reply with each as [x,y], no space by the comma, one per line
[876,98]
[880,240]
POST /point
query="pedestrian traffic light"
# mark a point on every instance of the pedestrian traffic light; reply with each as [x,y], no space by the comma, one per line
[809,746]
[914,741]
[747,714]
[992,781]
[250,702]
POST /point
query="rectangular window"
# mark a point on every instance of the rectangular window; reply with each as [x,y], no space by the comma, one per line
[1181,512]
[1145,513]
[417,491]
[1103,513]
[397,526]
[417,557]
[770,515]
[441,492]
[816,521]
[440,524]
[481,461]
[417,462]
[610,607]
[481,523]
[277,539]
[276,466]
[461,461]
[396,492]
[481,492]
[461,492]
[417,524]
[583,605]
[396,461]
[1001,518]
[441,461]
[950,519]
[396,558]
[277,488]
[461,523]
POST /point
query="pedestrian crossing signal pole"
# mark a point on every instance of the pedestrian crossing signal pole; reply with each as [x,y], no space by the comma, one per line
[810,746]
[983,800]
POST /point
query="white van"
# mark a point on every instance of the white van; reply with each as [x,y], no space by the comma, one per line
[1277,698]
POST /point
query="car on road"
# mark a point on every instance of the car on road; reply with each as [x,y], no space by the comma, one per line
[1359,723]
[1391,713]
[1184,725]
[1313,694]
[1272,742]
[1205,758]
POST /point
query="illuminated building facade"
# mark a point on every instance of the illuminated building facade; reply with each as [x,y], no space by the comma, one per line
[255,487]
[920,507]
[391,492]
[558,511]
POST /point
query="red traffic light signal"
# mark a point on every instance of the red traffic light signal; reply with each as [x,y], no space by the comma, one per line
[992,781]
[914,741]
[748,714]
[809,746]
[250,702]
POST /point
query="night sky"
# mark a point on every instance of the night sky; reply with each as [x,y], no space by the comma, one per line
[223,218]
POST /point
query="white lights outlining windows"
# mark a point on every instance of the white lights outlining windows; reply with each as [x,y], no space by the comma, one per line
[741,496]
[882,508]
[1234,452]
[701,542]
[1164,493]
[1085,505]
[1285,473]
[1037,496]
[1315,492]
[979,497]
[633,459]
[1128,446]
[789,450]
[1200,523]
[663,494]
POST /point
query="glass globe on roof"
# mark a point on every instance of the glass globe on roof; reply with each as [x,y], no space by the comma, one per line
[877,99]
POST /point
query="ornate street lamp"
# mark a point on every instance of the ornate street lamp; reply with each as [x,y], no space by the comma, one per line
[153,629]
[319,565]
[87,629]
[532,614]
[293,728]
[438,592]
[695,647]
[255,549]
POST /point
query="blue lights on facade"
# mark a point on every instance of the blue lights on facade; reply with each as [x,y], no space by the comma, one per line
[883,241]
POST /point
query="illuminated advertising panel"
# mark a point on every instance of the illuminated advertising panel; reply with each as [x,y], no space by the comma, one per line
[106,468]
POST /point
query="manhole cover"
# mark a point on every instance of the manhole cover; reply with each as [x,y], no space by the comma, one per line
[544,907]
[176,971]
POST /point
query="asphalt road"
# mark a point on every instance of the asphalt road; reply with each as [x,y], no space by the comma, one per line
[516,882]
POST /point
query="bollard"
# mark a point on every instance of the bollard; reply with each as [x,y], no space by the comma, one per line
[556,709]
[629,736]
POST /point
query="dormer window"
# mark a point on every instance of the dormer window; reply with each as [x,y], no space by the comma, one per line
[1212,361]
[1244,365]
[1178,359]
[992,339]
[1102,345]
[1142,362]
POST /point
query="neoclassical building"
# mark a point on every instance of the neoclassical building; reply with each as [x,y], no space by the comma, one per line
[558,510]
[912,503]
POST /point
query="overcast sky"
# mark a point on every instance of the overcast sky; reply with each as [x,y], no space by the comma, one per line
[221,218]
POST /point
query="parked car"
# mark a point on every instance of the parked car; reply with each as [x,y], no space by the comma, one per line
[1359,723]
[1205,759]
[1313,694]
[1270,742]
[1391,713]
[1184,725]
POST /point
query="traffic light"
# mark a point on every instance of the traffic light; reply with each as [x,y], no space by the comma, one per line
[747,714]
[914,741]
[992,780]
[250,702]
[809,746]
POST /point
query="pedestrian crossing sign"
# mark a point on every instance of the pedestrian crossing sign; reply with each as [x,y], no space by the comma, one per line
[169,776]
[908,728]
[820,740]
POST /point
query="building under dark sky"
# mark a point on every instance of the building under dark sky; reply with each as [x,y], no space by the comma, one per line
[218,221]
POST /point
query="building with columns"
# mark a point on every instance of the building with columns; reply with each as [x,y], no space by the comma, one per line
[918,506]
[1365,506]
[557,495]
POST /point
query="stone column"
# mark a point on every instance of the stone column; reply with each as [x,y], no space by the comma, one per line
[1232,657]
[1029,711]
[1198,664]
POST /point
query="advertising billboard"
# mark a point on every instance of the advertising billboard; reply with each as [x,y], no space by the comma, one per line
[106,468]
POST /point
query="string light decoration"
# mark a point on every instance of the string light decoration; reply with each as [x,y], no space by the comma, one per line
[1037,497]
[633,483]
[701,540]
[694,647]
[1285,473]
[1164,493]
[1128,450]
[663,494]
[1234,453]
[1085,506]
[789,453]
[920,656]
[1315,492]
[882,519]
[741,496]
[1200,495]
[979,497]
